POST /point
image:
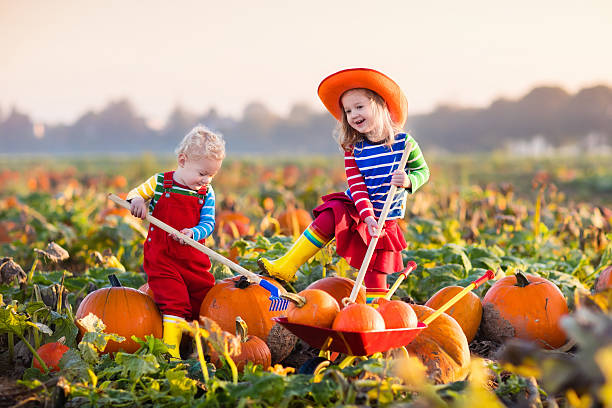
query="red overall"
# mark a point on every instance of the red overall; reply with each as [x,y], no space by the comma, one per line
[177,274]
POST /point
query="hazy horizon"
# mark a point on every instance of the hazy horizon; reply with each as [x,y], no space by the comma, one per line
[64,58]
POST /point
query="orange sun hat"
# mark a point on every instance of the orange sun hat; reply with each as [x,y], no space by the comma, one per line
[331,89]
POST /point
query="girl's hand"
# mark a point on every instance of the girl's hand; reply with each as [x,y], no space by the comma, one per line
[184,231]
[399,178]
[372,225]
[138,208]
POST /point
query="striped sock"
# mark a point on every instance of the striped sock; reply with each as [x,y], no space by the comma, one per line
[315,236]
[375,293]
[173,319]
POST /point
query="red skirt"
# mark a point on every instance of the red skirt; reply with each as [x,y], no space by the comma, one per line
[352,237]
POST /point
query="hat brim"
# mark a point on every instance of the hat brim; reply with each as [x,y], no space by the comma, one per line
[331,89]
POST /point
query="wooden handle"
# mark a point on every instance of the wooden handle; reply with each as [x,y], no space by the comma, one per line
[381,222]
[217,257]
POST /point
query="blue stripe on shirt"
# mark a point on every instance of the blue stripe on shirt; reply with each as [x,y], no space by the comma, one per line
[207,217]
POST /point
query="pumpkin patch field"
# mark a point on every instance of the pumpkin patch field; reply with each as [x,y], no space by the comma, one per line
[79,326]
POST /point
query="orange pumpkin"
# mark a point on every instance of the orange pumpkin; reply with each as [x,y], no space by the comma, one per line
[467,311]
[294,221]
[441,347]
[236,296]
[233,223]
[358,317]
[125,311]
[398,315]
[318,309]
[252,348]
[51,354]
[339,288]
[604,280]
[146,290]
[528,307]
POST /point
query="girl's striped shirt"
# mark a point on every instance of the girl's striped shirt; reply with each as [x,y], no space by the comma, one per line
[368,173]
[152,190]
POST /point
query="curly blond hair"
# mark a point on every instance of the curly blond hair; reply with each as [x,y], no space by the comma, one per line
[347,137]
[202,142]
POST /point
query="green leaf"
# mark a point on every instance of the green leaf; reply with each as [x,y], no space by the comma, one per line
[137,365]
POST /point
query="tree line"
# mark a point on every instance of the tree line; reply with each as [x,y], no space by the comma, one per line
[559,117]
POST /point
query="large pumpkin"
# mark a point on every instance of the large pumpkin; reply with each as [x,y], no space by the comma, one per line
[318,309]
[528,307]
[467,311]
[339,288]
[604,280]
[125,311]
[442,347]
[233,297]
[294,221]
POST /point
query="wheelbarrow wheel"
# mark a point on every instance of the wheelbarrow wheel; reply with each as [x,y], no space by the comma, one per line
[314,366]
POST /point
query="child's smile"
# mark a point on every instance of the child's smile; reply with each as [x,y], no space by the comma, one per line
[358,109]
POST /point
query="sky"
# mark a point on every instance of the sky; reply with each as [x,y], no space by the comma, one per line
[62,58]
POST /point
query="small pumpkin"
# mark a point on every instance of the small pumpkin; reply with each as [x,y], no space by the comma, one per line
[398,315]
[233,223]
[318,309]
[467,311]
[604,280]
[125,311]
[294,221]
[339,287]
[252,348]
[525,306]
[442,347]
[358,317]
[236,296]
[51,354]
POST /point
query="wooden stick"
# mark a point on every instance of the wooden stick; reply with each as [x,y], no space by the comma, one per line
[254,278]
[381,223]
[214,255]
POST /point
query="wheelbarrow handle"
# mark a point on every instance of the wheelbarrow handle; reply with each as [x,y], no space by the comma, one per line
[488,275]
[403,274]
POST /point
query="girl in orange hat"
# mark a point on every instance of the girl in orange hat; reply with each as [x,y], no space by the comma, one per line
[371,110]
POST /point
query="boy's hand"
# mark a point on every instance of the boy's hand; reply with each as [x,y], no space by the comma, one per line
[184,231]
[138,208]
[372,226]
[399,178]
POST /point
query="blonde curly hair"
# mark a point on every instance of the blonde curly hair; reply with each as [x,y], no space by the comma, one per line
[202,142]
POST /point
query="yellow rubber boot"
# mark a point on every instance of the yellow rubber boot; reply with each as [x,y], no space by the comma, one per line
[173,334]
[287,265]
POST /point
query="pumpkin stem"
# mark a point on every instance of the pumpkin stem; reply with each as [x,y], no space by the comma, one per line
[241,329]
[521,279]
[299,301]
[242,283]
[114,281]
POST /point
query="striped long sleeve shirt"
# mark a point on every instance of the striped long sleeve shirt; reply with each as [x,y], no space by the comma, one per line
[152,189]
[368,172]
